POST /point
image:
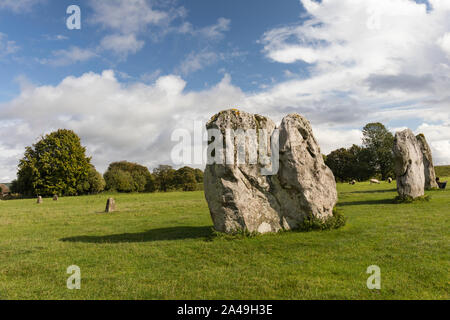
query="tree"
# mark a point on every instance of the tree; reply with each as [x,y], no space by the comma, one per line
[165,178]
[361,169]
[185,179]
[126,176]
[350,164]
[57,164]
[339,161]
[95,180]
[199,175]
[118,180]
[379,142]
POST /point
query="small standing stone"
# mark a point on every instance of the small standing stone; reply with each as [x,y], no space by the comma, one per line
[55,197]
[110,205]
[390,180]
[39,200]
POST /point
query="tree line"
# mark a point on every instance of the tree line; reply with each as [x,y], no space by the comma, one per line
[373,159]
[57,165]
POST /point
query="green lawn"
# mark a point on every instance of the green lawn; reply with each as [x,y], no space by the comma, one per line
[160,246]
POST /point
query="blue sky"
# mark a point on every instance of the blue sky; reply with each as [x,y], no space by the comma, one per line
[41,31]
[138,70]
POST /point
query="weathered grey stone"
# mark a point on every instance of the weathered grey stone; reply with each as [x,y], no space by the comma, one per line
[308,186]
[240,197]
[39,200]
[55,197]
[408,165]
[430,175]
[110,205]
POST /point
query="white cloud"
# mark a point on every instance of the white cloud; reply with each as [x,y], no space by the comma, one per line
[70,56]
[373,60]
[128,19]
[444,43]
[439,140]
[57,37]
[115,121]
[19,5]
[7,47]
[127,16]
[212,32]
[122,45]
[197,61]
[135,121]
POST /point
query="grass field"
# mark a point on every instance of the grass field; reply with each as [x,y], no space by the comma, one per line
[160,246]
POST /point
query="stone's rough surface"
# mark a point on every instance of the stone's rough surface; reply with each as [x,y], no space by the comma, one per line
[408,165]
[308,186]
[430,175]
[55,197]
[241,198]
[39,200]
[110,205]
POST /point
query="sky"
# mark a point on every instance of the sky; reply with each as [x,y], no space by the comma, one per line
[139,71]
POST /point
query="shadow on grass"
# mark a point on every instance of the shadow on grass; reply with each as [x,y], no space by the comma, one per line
[162,234]
[374,191]
[366,202]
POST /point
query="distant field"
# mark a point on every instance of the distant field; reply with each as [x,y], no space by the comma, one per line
[160,246]
[442,171]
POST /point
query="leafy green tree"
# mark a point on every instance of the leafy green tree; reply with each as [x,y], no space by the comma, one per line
[379,142]
[340,162]
[165,178]
[95,180]
[118,180]
[57,164]
[198,175]
[126,176]
[350,164]
[185,179]
[151,185]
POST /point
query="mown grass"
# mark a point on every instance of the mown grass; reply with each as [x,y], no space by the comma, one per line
[161,246]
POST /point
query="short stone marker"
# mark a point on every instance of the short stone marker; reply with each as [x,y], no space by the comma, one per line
[110,205]
[55,197]
[390,180]
[39,200]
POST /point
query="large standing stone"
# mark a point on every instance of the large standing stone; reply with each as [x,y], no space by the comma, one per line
[39,200]
[430,175]
[241,197]
[110,205]
[308,186]
[408,165]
